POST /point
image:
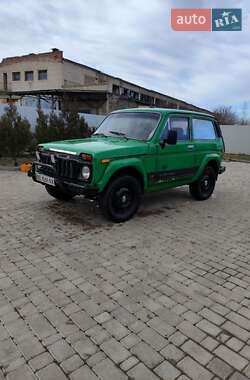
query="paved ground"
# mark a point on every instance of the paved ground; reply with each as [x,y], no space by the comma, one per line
[165,295]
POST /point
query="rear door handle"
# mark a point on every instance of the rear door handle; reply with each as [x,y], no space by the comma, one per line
[190,147]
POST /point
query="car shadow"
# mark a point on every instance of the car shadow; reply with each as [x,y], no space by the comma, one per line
[81,211]
[167,199]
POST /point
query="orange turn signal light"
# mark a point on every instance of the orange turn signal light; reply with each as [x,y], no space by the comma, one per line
[105,161]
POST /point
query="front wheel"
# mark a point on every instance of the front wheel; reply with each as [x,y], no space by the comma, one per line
[203,188]
[121,199]
[59,194]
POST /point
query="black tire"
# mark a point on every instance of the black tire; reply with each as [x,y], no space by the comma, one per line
[121,199]
[203,188]
[59,194]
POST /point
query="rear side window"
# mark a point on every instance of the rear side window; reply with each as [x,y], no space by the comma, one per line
[180,125]
[203,129]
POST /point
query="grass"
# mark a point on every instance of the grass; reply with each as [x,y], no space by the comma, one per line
[237,157]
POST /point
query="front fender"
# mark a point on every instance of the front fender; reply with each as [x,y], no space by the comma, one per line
[209,157]
[121,164]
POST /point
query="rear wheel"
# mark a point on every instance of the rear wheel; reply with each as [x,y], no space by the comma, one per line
[59,194]
[203,188]
[121,199]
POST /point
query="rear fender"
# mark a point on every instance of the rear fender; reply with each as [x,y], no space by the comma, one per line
[205,162]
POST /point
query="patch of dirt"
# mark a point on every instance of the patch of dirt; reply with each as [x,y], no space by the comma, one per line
[144,213]
[73,216]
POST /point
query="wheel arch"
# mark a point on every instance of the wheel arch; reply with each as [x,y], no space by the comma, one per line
[119,167]
[128,170]
[215,165]
[212,160]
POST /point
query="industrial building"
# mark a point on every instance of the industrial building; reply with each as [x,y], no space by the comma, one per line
[59,83]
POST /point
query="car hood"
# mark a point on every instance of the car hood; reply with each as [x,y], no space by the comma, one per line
[99,146]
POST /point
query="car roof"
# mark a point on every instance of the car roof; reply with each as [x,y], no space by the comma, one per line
[164,110]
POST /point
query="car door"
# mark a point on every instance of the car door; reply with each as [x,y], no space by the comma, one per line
[176,163]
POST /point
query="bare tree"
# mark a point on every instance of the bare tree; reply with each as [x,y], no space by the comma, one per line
[225,115]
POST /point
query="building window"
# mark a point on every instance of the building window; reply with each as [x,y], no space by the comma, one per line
[5,81]
[116,89]
[136,95]
[147,99]
[29,75]
[125,92]
[16,75]
[42,74]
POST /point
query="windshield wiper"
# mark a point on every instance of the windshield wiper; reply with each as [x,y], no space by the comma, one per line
[99,134]
[118,134]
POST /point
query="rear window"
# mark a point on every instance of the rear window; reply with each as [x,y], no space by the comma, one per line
[203,129]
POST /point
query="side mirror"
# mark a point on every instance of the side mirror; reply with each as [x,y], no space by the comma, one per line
[172,137]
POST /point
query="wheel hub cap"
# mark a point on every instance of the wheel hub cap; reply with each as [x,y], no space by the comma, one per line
[124,199]
[206,184]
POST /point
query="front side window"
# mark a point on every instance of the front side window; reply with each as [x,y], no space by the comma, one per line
[203,129]
[133,125]
[180,125]
[29,75]
[16,75]
[42,74]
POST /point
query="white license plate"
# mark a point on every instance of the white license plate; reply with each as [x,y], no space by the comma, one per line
[45,179]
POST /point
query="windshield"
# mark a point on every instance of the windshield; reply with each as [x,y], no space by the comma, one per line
[132,125]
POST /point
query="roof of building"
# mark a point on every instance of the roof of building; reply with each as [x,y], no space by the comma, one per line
[134,84]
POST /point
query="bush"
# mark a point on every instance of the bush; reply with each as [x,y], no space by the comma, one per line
[41,132]
[76,127]
[16,137]
[67,125]
[15,134]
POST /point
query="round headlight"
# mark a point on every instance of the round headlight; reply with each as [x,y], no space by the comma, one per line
[85,172]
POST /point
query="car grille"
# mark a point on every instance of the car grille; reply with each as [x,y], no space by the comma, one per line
[64,166]
[45,158]
[67,168]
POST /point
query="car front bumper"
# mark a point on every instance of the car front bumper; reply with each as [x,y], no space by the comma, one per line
[72,185]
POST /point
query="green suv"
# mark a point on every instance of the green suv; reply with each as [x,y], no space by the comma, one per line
[134,151]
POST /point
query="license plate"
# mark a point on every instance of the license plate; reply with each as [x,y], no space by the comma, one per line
[45,179]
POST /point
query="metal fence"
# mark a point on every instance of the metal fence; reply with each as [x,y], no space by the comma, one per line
[237,138]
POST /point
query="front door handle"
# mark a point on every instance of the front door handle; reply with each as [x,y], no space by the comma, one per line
[190,147]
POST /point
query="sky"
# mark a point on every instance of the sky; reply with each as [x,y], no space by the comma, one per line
[133,40]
